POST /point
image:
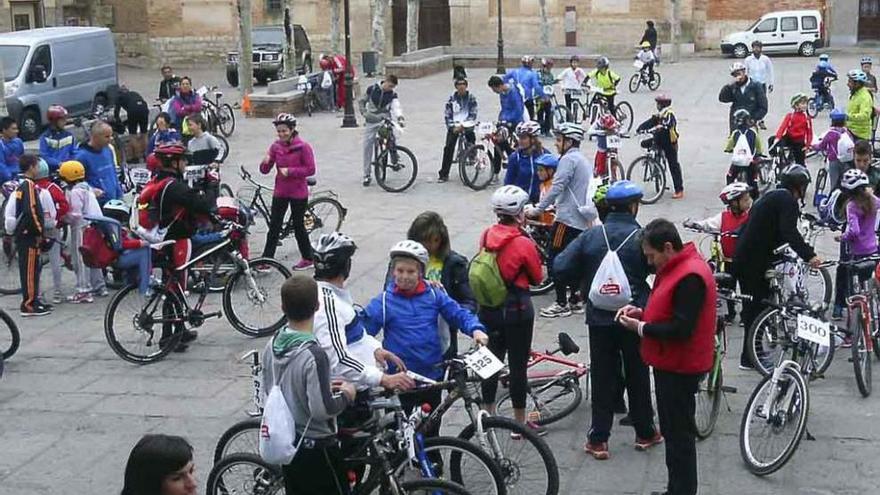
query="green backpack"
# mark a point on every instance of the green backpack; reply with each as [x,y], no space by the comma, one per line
[484,276]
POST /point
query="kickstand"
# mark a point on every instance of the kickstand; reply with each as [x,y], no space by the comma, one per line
[810,435]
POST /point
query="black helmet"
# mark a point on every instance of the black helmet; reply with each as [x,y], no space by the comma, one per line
[332,255]
[795,176]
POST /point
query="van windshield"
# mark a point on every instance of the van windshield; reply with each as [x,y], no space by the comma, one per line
[752,25]
[12,57]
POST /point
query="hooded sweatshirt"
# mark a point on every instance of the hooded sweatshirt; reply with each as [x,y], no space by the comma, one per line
[517,258]
[296,362]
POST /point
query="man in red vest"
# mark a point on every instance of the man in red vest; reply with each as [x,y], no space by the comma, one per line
[677,328]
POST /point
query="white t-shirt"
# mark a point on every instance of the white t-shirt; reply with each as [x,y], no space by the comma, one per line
[572,78]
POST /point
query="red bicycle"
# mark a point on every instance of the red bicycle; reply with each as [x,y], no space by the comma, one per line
[553,393]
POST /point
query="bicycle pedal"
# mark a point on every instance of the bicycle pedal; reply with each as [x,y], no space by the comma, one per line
[728,389]
[216,314]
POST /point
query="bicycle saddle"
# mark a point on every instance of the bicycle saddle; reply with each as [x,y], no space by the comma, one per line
[311,181]
[725,278]
[567,345]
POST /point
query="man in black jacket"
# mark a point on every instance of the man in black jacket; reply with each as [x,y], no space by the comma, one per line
[743,93]
[168,85]
[650,36]
[773,221]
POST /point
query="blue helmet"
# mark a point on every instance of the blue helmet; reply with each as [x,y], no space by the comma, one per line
[824,64]
[42,169]
[623,192]
[838,115]
[548,160]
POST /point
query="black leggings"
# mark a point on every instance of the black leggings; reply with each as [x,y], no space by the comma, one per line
[510,331]
[276,223]
[316,471]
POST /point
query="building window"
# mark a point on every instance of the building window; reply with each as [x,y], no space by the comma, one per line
[273,5]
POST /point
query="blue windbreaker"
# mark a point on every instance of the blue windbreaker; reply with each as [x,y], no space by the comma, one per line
[523,172]
[100,171]
[57,147]
[511,105]
[528,79]
[10,152]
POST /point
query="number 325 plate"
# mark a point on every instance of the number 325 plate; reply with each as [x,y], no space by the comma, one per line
[483,363]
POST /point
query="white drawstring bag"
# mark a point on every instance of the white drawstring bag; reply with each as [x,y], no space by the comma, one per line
[610,289]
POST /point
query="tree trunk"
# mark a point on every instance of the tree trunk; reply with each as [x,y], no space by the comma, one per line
[412,25]
[246,54]
[291,62]
[334,27]
[380,7]
[675,28]
[3,112]
[545,24]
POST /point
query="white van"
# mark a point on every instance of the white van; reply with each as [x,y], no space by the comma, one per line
[789,31]
[70,66]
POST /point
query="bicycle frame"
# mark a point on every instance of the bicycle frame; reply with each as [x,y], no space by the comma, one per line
[578,369]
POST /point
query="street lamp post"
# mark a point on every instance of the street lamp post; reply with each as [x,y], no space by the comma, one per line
[348,119]
[500,68]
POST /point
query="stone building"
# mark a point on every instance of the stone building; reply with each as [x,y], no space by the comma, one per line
[201,31]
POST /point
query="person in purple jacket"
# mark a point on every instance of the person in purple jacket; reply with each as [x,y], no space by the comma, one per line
[293,161]
[185,103]
[837,164]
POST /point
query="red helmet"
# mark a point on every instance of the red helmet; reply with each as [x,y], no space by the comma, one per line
[326,64]
[663,99]
[608,122]
[169,150]
[56,112]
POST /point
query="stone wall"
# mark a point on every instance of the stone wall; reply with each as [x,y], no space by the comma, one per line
[191,50]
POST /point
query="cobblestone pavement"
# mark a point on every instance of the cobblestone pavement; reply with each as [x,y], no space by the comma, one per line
[70,410]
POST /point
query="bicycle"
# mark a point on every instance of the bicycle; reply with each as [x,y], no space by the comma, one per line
[649,170]
[8,345]
[393,173]
[244,293]
[541,234]
[219,116]
[475,162]
[548,388]
[598,106]
[641,77]
[324,213]
[862,318]
[816,104]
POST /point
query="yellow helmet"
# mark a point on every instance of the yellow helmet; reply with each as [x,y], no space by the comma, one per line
[645,44]
[72,170]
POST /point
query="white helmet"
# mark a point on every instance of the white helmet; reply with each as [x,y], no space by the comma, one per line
[853,179]
[527,59]
[736,67]
[528,127]
[571,130]
[509,200]
[733,191]
[410,249]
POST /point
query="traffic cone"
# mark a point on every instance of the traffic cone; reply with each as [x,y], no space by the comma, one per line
[246,105]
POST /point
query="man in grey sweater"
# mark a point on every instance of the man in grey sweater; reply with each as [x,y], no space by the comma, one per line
[294,361]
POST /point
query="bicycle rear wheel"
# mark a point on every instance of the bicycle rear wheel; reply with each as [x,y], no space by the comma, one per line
[323,215]
[623,112]
[245,474]
[251,299]
[395,172]
[649,174]
[546,284]
[9,341]
[547,400]
[654,83]
[861,356]
[224,148]
[226,120]
[475,166]
[242,437]
[133,324]
[768,438]
[460,462]
[10,283]
[812,108]
[708,401]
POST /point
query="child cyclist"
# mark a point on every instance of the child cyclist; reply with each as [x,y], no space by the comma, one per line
[796,130]
[744,128]
[83,203]
[823,71]
[604,126]
[664,127]
[136,256]
[647,58]
[546,170]
[837,144]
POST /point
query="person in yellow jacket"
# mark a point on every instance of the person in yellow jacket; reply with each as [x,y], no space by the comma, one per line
[860,108]
[606,80]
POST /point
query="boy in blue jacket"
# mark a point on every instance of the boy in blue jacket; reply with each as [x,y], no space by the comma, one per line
[11,149]
[407,311]
[57,145]
[511,113]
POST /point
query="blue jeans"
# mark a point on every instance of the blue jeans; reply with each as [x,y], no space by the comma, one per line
[142,259]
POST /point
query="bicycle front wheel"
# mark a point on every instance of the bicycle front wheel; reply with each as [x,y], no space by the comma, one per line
[246,474]
[616,170]
[9,341]
[546,284]
[251,298]
[226,120]
[242,437]
[708,401]
[10,283]
[768,437]
[623,112]
[458,461]
[323,215]
[634,82]
[547,400]
[475,166]
[861,356]
[224,148]
[812,108]
[134,323]
[396,170]
[654,83]
[649,175]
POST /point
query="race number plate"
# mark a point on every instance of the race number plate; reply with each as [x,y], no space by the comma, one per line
[613,141]
[483,363]
[638,64]
[486,128]
[194,172]
[139,176]
[816,331]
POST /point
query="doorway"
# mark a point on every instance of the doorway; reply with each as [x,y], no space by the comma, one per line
[869,20]
[434,24]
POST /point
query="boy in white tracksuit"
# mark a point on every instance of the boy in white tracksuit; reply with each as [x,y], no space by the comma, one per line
[83,203]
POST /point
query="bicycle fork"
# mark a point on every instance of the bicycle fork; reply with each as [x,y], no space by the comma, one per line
[774,389]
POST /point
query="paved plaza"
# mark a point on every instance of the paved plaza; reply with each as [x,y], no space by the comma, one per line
[71,410]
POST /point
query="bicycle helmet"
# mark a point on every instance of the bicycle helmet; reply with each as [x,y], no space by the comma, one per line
[795,176]
[574,58]
[645,44]
[837,115]
[602,63]
[548,160]
[410,249]
[509,200]
[56,112]
[853,179]
[857,75]
[42,169]
[527,59]
[824,57]
[72,170]
[600,194]
[608,122]
[571,131]
[823,65]
[623,192]
[798,97]
[732,191]
[528,128]
[168,150]
[736,67]
[866,60]
[663,99]
[741,115]
[547,62]
[285,118]
[332,255]
[117,210]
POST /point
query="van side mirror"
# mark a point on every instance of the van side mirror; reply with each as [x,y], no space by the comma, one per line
[37,74]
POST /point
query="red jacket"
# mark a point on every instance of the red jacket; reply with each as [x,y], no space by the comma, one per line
[517,258]
[695,354]
[58,197]
[798,126]
[729,224]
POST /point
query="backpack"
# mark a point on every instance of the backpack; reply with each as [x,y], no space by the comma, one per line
[149,211]
[610,289]
[101,242]
[742,152]
[277,442]
[845,147]
[485,279]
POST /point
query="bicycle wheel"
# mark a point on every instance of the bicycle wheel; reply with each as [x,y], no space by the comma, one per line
[226,191]
[475,166]
[616,172]
[133,324]
[242,437]
[243,473]
[768,342]
[546,284]
[432,487]
[547,401]
[561,115]
[708,401]
[225,120]
[817,287]
[654,83]
[395,172]
[251,299]
[623,112]
[10,283]
[634,82]
[460,462]
[648,173]
[812,108]
[766,177]
[527,464]
[861,356]
[323,215]
[224,148]
[781,427]
[9,341]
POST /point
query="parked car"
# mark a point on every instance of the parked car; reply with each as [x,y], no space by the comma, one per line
[792,31]
[70,66]
[268,54]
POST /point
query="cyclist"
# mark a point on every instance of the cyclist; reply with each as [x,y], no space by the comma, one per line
[603,127]
[546,164]
[823,71]
[664,126]
[168,85]
[100,162]
[745,128]
[572,78]
[745,94]
[646,57]
[526,80]
[829,146]
[379,102]
[136,256]
[860,107]
[521,167]
[83,203]
[574,210]
[57,144]
[203,147]
[511,325]
[867,62]
[606,81]
[340,331]
[293,161]
[773,221]
[11,149]
[185,103]
[795,132]
[461,107]
[760,67]
[863,160]
[609,344]
[510,116]
[545,108]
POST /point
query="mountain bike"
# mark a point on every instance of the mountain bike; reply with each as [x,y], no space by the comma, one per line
[649,171]
[9,341]
[862,318]
[641,77]
[598,106]
[817,103]
[552,394]
[475,163]
[324,213]
[395,166]
[219,116]
[252,290]
[541,234]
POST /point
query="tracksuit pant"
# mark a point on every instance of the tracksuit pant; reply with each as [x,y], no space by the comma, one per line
[29,267]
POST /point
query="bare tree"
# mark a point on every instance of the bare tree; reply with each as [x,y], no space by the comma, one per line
[545,24]
[3,112]
[291,63]
[412,25]
[380,8]
[334,26]
[245,58]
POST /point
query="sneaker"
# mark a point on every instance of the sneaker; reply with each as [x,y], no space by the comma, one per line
[745,364]
[81,298]
[181,347]
[102,292]
[303,264]
[678,195]
[36,311]
[57,297]
[846,343]
[44,305]
[576,307]
[556,311]
[189,336]
[599,451]
[366,181]
[643,444]
[837,313]
[441,180]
